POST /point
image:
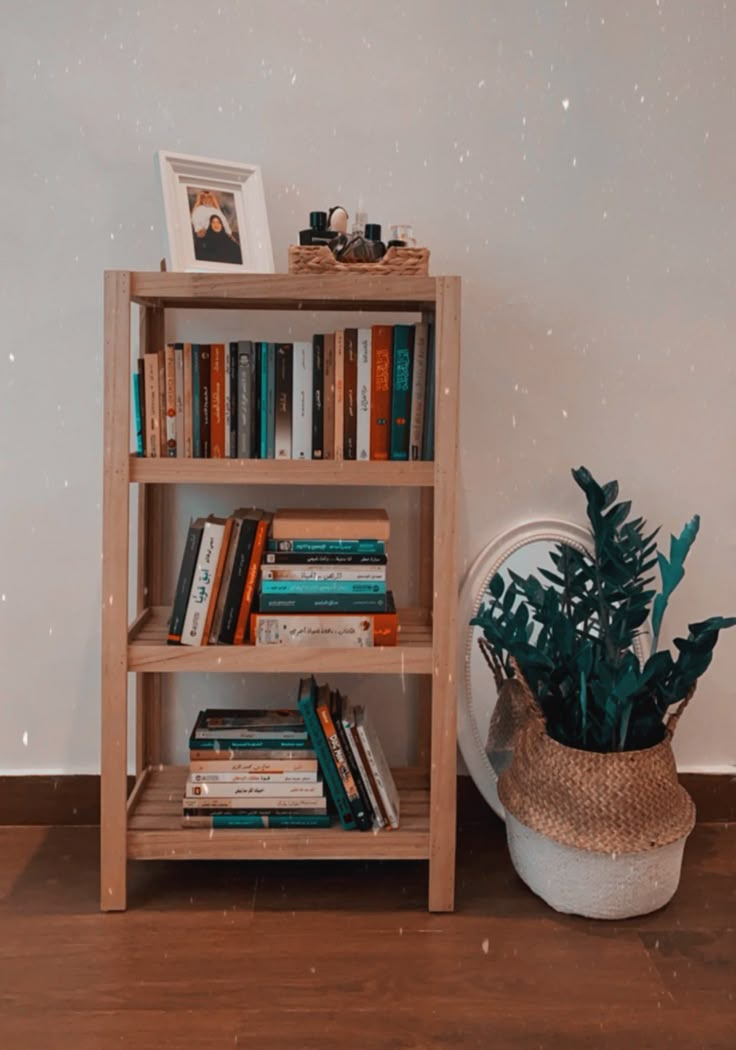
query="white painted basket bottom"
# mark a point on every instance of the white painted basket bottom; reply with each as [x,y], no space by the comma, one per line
[596,885]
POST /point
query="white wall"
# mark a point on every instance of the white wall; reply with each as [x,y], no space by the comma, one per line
[573,161]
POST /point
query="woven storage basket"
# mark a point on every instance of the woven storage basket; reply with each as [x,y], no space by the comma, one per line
[318,259]
[597,834]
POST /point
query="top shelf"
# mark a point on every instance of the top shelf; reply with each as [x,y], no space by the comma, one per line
[218,291]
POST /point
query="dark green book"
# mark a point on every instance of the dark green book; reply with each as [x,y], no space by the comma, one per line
[184,583]
[401,391]
[332,603]
[197,819]
[307,705]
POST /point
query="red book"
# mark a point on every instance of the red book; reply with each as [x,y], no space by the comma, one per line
[382,338]
[259,545]
[217,401]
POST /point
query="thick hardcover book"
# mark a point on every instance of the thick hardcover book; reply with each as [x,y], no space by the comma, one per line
[348,720]
[151,401]
[378,764]
[301,401]
[247,398]
[312,523]
[236,583]
[170,396]
[368,818]
[324,713]
[283,393]
[200,594]
[137,415]
[334,603]
[318,393]
[184,584]
[328,422]
[350,394]
[251,579]
[231,410]
[308,707]
[315,574]
[382,337]
[205,403]
[312,585]
[179,384]
[339,415]
[363,445]
[369,547]
[257,820]
[327,630]
[287,558]
[196,412]
[401,390]
[248,766]
[429,399]
[188,405]
[418,392]
[217,401]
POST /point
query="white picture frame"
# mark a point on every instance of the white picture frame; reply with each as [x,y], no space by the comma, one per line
[229,197]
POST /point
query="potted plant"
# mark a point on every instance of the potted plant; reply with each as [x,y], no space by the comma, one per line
[596,817]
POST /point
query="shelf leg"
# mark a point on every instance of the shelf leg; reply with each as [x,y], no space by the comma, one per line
[116,497]
[443,773]
[426,572]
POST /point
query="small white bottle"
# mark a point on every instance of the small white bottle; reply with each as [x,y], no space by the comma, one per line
[361,218]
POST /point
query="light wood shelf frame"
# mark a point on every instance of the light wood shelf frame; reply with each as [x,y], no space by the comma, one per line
[146,823]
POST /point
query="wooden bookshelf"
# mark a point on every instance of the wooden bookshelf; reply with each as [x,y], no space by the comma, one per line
[146,824]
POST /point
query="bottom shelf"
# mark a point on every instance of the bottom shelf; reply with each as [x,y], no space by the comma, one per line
[155,831]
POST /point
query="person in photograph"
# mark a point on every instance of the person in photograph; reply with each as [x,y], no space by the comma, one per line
[206,204]
[216,245]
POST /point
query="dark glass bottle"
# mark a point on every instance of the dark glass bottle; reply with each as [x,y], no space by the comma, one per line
[318,232]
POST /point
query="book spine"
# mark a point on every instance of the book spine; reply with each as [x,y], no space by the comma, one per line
[318,393]
[227,734]
[285,777]
[418,391]
[137,414]
[226,744]
[170,412]
[301,401]
[188,431]
[381,372]
[217,758]
[379,768]
[217,401]
[283,558]
[201,590]
[401,391]
[227,401]
[365,821]
[196,410]
[142,396]
[326,762]
[251,789]
[350,394]
[339,414]
[232,365]
[363,437]
[153,423]
[428,442]
[341,763]
[238,577]
[184,584]
[328,546]
[327,631]
[205,394]
[202,804]
[161,358]
[311,586]
[271,404]
[339,603]
[379,815]
[217,581]
[263,399]
[255,820]
[251,579]
[316,573]
[246,399]
[179,374]
[284,376]
[227,575]
[328,419]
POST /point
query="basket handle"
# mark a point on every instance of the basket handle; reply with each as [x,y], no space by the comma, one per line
[532,708]
[677,715]
[493,662]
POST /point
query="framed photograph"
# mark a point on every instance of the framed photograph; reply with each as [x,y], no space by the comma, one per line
[215,215]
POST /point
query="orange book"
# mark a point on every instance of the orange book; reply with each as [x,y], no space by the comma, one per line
[217,580]
[382,337]
[249,589]
[217,401]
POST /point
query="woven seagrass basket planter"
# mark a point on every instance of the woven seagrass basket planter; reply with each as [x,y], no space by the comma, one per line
[397,262]
[599,835]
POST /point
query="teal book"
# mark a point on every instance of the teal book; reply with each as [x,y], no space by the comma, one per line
[323,587]
[196,430]
[138,414]
[428,440]
[257,820]
[328,546]
[401,391]
[307,705]
[329,603]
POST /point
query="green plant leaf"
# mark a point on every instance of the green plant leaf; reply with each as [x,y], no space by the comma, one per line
[496,586]
[672,572]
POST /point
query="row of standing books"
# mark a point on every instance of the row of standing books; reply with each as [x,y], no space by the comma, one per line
[290,767]
[354,394]
[295,577]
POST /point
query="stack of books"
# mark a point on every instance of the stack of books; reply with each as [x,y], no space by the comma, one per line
[253,769]
[354,394]
[323,581]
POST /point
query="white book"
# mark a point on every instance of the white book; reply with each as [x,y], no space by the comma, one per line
[287,777]
[348,721]
[330,632]
[418,387]
[363,444]
[179,385]
[301,404]
[269,790]
[351,574]
[201,593]
[278,766]
[379,766]
[313,805]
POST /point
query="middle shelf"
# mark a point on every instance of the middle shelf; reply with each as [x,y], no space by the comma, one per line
[149,651]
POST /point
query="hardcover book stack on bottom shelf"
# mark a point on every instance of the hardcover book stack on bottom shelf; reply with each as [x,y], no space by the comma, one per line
[290,768]
[323,581]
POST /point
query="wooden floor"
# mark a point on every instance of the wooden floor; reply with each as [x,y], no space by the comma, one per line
[282,956]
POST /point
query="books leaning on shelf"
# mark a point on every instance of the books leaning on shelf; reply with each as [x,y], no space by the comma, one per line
[354,394]
[289,768]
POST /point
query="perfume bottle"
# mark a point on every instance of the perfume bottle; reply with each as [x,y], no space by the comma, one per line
[373,235]
[318,231]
